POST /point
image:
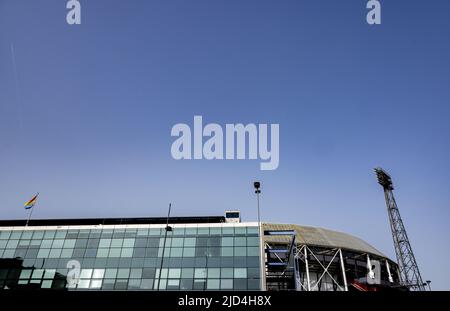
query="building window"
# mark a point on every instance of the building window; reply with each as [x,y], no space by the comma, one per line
[213,284]
[200,273]
[240,273]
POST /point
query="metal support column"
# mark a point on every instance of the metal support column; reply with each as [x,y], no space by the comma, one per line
[371,274]
[391,280]
[344,277]
[307,269]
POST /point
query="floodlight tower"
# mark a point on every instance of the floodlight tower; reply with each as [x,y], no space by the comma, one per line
[409,271]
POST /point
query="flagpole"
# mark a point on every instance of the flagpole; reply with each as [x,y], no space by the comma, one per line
[31,211]
[29,216]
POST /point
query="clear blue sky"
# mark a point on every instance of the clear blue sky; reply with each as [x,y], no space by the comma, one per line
[88,122]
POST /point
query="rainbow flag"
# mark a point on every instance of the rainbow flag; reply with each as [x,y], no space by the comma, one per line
[31,203]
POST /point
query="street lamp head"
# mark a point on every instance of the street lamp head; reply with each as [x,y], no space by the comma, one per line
[257,185]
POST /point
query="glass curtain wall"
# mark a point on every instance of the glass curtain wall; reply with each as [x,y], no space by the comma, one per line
[195,258]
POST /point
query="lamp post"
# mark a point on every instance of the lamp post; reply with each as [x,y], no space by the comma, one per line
[257,186]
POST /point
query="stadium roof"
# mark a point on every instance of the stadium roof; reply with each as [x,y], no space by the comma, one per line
[314,236]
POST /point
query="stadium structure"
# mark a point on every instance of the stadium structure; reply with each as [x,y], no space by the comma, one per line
[187,253]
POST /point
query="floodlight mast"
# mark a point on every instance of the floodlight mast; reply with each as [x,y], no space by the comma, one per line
[409,270]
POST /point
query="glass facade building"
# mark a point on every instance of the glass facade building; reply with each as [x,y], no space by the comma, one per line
[193,256]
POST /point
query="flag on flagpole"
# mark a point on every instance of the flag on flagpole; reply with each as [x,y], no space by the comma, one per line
[31,203]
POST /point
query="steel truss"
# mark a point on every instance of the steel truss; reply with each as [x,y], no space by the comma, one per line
[305,256]
[298,266]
